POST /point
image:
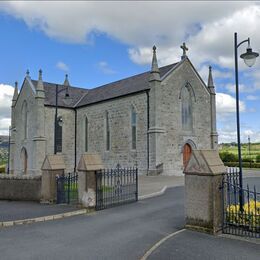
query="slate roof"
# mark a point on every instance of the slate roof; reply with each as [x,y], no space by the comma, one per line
[75,94]
[81,97]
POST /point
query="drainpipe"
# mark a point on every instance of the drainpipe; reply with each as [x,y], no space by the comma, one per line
[75,142]
[148,125]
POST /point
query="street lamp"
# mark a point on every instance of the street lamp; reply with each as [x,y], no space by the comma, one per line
[58,121]
[249,58]
[249,153]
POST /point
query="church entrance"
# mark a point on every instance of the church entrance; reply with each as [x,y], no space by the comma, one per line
[186,154]
[24,160]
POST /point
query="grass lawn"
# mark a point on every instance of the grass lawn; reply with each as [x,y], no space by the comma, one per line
[254,150]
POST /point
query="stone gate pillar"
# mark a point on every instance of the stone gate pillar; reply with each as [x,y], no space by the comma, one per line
[203,197]
[53,165]
[87,166]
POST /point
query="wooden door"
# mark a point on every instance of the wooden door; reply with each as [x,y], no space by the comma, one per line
[186,154]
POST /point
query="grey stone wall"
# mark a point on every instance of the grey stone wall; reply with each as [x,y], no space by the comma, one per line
[120,123]
[168,144]
[68,134]
[20,187]
[18,141]
[174,138]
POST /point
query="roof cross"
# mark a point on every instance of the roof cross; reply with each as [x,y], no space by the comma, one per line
[184,48]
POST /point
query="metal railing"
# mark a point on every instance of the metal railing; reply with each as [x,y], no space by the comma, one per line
[237,221]
[67,188]
[116,186]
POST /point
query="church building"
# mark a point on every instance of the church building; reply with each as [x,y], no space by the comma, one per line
[152,120]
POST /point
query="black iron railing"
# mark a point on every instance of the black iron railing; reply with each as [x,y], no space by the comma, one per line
[116,186]
[67,188]
[237,221]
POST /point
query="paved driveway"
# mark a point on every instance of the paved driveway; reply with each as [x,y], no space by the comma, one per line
[125,232]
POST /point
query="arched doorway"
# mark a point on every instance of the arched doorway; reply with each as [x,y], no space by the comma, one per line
[24,160]
[187,150]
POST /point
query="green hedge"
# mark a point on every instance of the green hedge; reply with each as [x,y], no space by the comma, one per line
[228,157]
[257,158]
[2,168]
[244,164]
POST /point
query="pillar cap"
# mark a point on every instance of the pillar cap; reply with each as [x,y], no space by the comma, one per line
[53,162]
[205,162]
[90,162]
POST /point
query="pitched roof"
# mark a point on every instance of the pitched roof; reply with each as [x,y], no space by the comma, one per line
[75,94]
[81,97]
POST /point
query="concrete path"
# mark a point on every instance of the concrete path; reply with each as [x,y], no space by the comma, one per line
[17,210]
[155,185]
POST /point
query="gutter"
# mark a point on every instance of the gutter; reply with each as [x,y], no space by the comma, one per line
[75,141]
[148,125]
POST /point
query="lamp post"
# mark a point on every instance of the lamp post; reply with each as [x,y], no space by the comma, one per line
[8,162]
[249,152]
[249,58]
[56,121]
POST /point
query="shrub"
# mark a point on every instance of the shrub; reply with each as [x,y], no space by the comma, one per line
[247,159]
[228,157]
[257,158]
[2,168]
[249,216]
[244,164]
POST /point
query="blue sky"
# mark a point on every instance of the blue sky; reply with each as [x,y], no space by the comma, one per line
[100,42]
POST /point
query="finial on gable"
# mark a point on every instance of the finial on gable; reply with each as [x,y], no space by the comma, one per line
[184,49]
[155,73]
[210,81]
[27,73]
[66,81]
[40,74]
[40,87]
[15,91]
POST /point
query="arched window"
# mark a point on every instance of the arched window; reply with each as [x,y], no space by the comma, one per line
[59,134]
[133,127]
[86,134]
[24,160]
[107,132]
[186,108]
[25,119]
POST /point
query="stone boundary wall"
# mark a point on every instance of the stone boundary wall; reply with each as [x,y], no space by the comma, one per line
[20,187]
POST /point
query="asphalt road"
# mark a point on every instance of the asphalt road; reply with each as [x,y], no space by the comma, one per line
[124,232]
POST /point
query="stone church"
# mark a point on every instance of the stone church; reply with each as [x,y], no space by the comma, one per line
[152,120]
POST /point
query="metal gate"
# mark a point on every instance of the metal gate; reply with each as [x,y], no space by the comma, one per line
[116,186]
[67,188]
[244,220]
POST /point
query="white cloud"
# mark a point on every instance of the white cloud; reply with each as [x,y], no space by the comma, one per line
[206,26]
[204,73]
[62,66]
[4,126]
[6,95]
[226,104]
[251,97]
[243,88]
[104,68]
[227,135]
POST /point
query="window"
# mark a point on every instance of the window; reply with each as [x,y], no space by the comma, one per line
[86,134]
[186,108]
[59,135]
[133,127]
[107,132]
[25,119]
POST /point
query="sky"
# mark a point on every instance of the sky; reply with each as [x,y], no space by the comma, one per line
[101,42]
